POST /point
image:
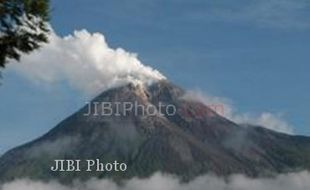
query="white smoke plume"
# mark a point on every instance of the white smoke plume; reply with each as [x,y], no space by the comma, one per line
[86,62]
[292,181]
[224,107]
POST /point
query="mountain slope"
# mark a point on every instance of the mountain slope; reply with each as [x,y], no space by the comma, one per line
[193,141]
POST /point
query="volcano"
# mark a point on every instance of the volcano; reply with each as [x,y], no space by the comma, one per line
[189,141]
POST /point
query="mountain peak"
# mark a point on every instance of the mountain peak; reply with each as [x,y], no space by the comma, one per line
[190,141]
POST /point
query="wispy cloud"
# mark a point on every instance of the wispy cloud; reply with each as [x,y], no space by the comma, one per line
[262,13]
[281,14]
[267,120]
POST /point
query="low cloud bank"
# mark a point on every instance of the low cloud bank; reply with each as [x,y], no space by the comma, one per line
[86,62]
[292,181]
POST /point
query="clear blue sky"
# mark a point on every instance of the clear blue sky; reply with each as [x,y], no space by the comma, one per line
[254,52]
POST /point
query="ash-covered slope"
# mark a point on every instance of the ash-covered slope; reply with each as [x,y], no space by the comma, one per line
[193,141]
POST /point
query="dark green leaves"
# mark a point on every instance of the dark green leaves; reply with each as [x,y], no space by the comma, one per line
[23,27]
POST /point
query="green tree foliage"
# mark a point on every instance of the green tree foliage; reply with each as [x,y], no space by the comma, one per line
[23,27]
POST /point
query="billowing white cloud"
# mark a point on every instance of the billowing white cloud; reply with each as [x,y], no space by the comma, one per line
[224,107]
[86,62]
[292,181]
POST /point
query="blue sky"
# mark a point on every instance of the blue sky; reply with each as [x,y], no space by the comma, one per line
[256,53]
